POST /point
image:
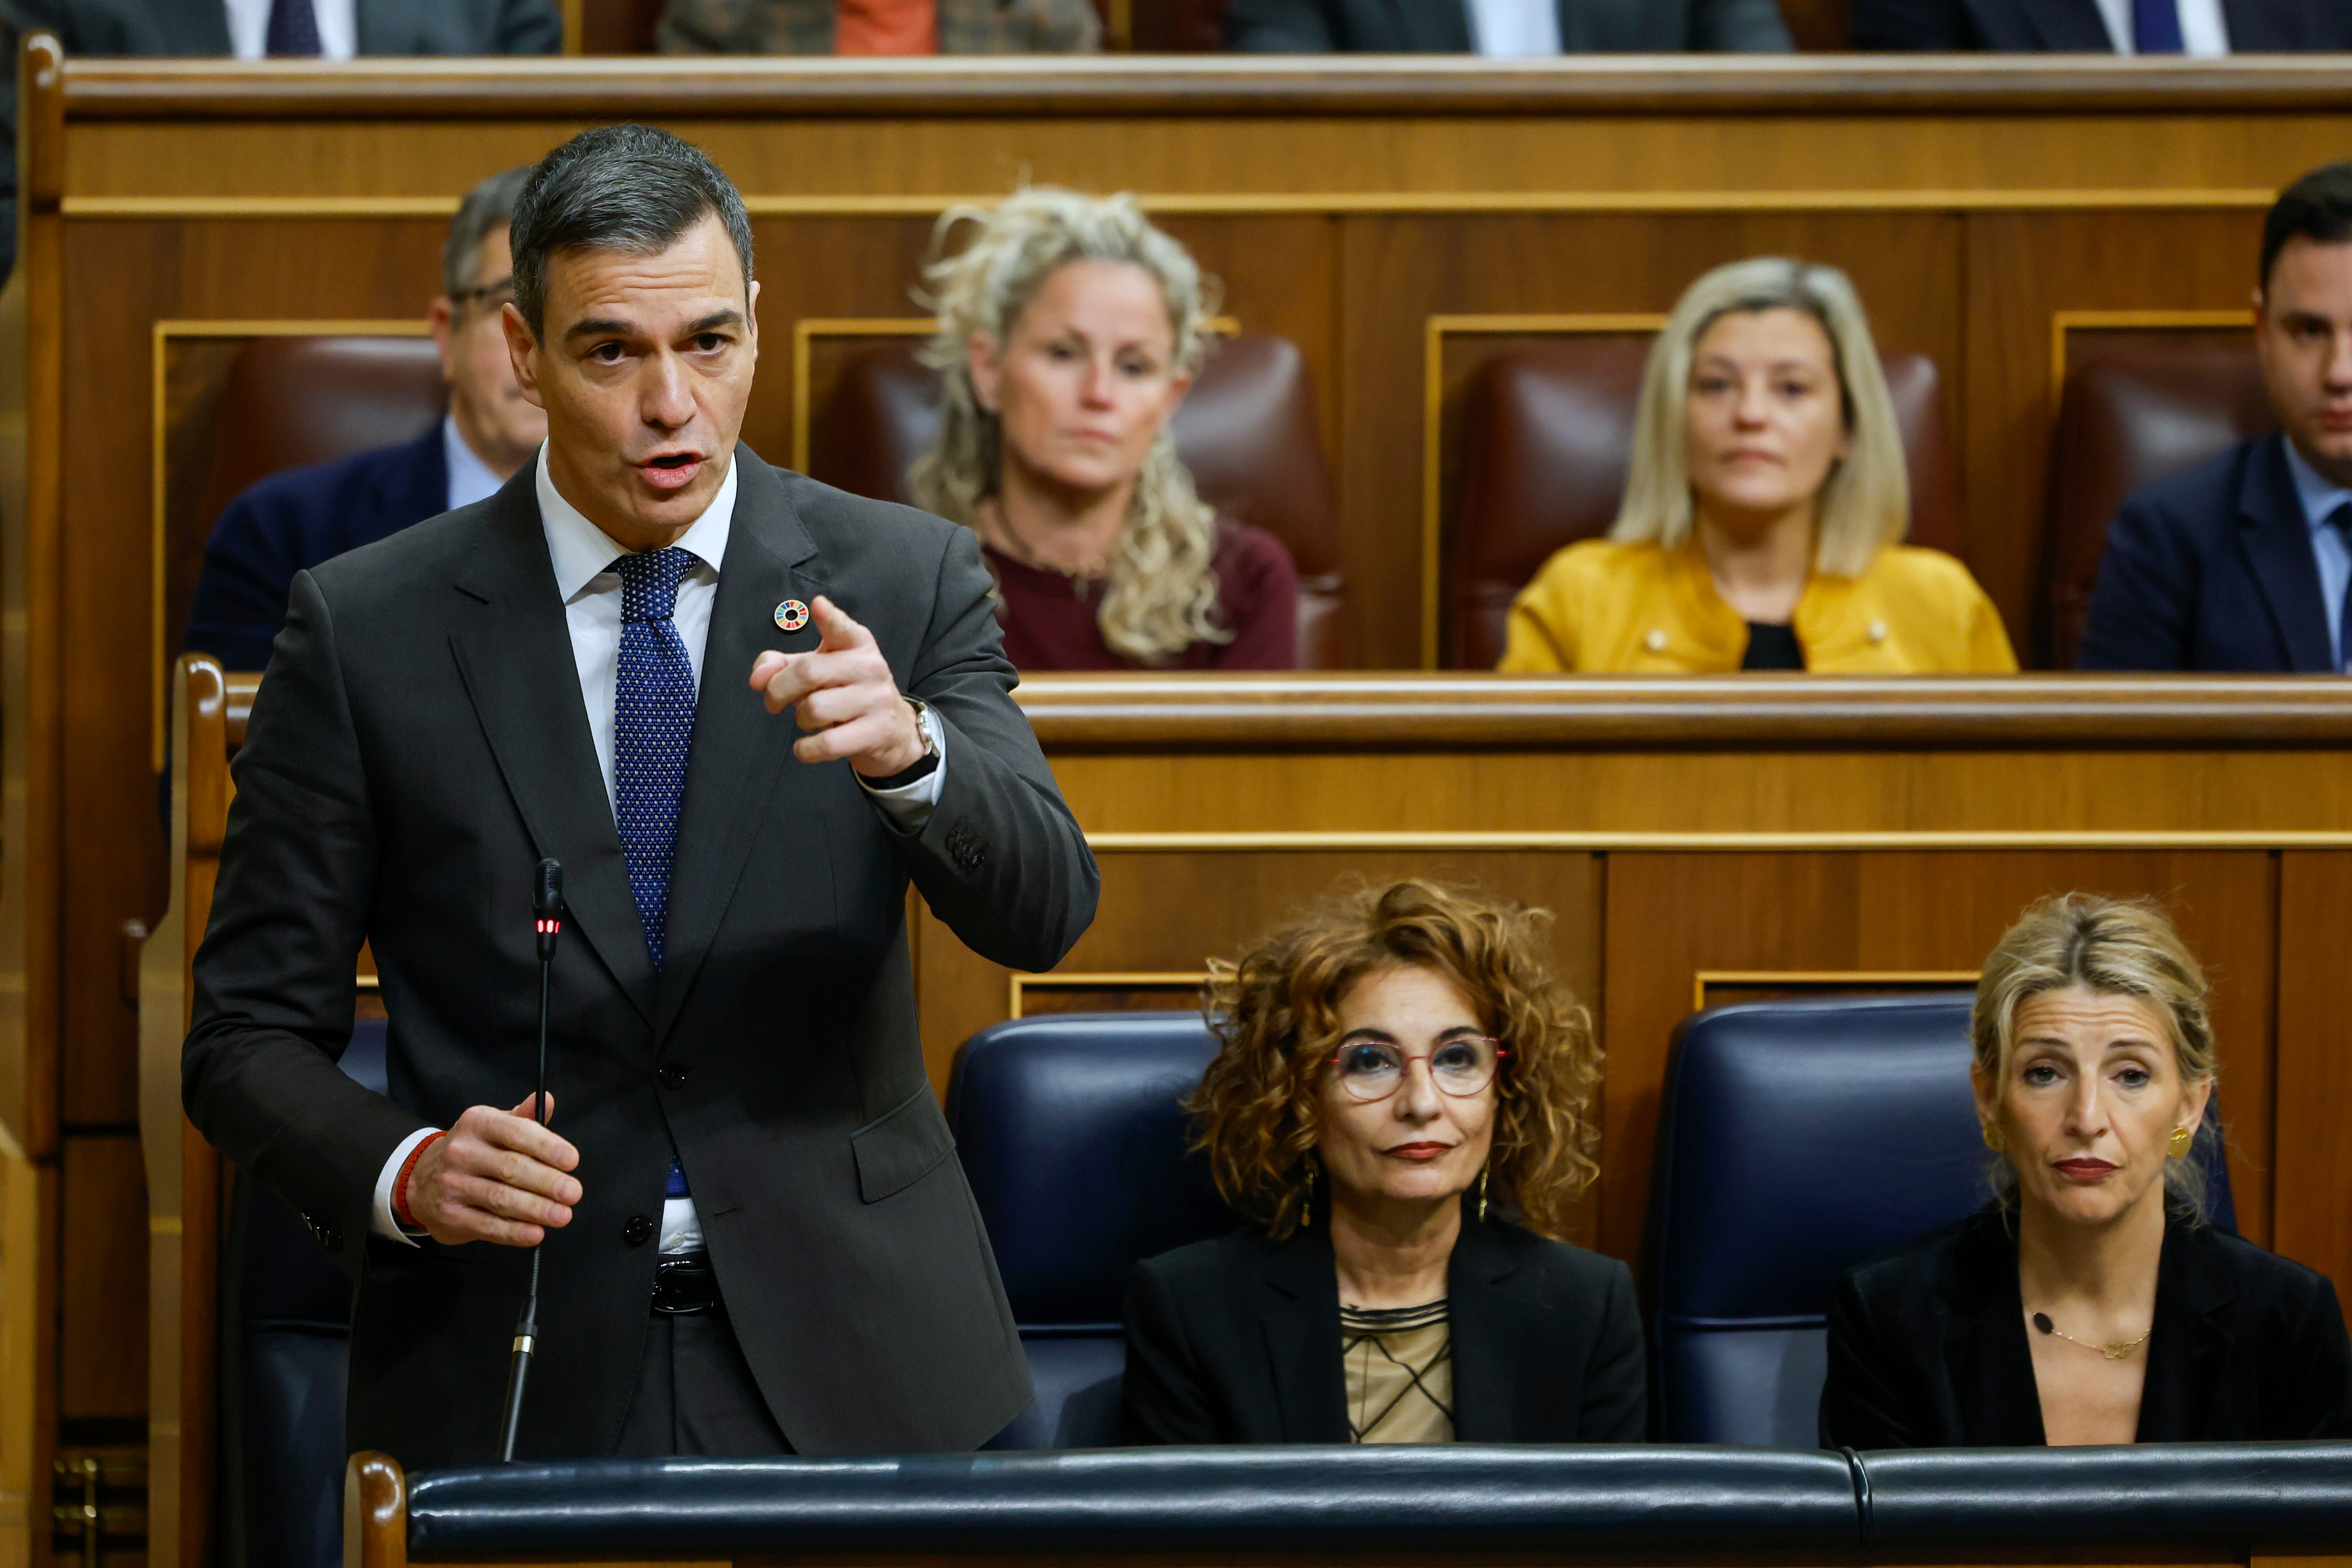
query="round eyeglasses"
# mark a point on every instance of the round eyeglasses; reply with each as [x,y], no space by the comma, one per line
[1464,1065]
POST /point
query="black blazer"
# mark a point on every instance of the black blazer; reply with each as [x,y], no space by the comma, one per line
[1237,1340]
[417,745]
[1443,26]
[2021,26]
[2212,570]
[1928,1346]
[291,521]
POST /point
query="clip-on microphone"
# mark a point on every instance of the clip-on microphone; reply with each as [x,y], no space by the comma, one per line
[547,908]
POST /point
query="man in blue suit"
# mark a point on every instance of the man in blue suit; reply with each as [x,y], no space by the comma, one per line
[2203,27]
[2243,562]
[291,521]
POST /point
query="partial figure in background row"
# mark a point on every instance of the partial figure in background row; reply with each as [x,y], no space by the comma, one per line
[2243,564]
[2090,1301]
[258,29]
[1403,1102]
[879,27]
[1069,330]
[291,521]
[1763,508]
[1508,28]
[2208,28]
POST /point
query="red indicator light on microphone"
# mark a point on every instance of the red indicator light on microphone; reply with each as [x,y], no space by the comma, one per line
[550,928]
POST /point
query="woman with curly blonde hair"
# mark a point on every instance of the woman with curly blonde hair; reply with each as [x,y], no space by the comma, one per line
[1404,1106]
[1069,330]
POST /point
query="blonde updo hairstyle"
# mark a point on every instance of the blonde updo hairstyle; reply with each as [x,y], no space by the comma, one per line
[2115,947]
[1277,1014]
[1865,503]
[1162,594]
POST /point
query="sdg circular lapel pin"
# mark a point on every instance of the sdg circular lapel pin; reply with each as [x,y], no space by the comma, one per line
[792,615]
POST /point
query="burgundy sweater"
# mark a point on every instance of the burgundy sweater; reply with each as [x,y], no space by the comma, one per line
[1049,619]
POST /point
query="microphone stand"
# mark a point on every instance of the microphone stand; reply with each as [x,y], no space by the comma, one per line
[546,906]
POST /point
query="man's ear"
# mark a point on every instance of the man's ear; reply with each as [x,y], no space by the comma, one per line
[752,318]
[442,316]
[2261,307]
[522,352]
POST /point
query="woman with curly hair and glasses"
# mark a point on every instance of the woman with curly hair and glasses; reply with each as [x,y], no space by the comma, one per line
[1402,1105]
[1069,330]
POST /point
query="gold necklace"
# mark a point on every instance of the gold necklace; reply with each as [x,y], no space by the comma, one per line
[2115,1352]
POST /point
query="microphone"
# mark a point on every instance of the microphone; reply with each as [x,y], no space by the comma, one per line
[547,915]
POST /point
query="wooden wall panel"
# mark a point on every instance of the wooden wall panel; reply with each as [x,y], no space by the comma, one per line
[2314,1148]
[103,1302]
[1672,915]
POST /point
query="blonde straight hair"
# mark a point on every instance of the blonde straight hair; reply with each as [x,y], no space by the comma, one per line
[1163,595]
[2116,947]
[1866,502]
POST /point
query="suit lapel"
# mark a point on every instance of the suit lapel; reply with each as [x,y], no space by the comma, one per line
[387,26]
[741,750]
[1300,1289]
[1427,28]
[196,27]
[2190,1342]
[1484,1313]
[2277,543]
[1986,1362]
[514,653]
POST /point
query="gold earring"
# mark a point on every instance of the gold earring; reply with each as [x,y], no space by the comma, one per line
[1484,1171]
[2181,1138]
[1991,1136]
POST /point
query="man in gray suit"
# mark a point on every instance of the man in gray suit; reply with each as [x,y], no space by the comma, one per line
[758,1236]
[1515,28]
[258,29]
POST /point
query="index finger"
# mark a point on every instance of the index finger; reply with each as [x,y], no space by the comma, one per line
[526,1137]
[839,631]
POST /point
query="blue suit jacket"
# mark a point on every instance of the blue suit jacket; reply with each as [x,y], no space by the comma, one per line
[2257,26]
[290,522]
[2212,570]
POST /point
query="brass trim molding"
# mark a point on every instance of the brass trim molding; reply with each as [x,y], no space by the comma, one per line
[1824,979]
[163,331]
[1434,331]
[1081,980]
[1254,204]
[2065,321]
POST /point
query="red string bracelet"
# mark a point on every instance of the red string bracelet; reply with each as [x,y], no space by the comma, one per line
[400,1184]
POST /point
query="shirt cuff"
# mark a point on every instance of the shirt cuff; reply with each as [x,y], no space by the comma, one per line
[909,805]
[382,1222]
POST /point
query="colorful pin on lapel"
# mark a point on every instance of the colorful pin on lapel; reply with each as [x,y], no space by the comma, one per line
[792,615]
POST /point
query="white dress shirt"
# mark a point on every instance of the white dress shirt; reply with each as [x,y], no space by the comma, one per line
[1515,29]
[2204,33]
[249,28]
[582,555]
[470,479]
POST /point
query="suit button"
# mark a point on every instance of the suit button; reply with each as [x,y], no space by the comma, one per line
[639,1231]
[672,1077]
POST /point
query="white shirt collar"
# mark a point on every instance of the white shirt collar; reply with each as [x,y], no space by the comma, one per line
[2321,496]
[582,551]
[470,479]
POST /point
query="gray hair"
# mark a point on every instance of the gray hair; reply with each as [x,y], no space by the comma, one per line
[1866,502]
[631,188]
[487,206]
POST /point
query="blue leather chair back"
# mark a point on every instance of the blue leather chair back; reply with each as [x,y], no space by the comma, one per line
[1796,1139]
[1072,1134]
[286,1315]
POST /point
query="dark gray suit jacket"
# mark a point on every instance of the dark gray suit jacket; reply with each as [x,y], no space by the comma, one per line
[418,744]
[1443,26]
[2014,26]
[198,27]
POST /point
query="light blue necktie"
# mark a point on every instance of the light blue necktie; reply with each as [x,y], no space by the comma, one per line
[653,729]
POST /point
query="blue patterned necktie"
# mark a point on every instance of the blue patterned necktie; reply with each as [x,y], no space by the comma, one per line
[2156,28]
[652,727]
[292,29]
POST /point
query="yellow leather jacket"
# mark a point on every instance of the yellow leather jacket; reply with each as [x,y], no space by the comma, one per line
[1599,607]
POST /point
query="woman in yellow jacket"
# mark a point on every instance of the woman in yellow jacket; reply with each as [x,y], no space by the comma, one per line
[1766,498]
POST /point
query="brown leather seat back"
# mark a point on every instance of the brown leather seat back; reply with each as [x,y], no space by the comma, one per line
[2130,417]
[291,400]
[1547,436]
[1249,433]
